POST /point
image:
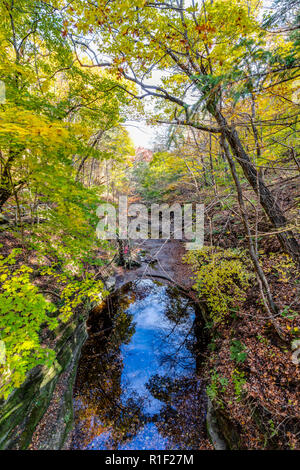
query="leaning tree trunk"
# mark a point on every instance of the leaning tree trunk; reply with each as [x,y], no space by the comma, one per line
[267,200]
[5,194]
[270,305]
[7,187]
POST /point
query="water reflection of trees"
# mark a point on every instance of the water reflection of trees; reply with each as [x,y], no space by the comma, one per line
[178,308]
[187,321]
[102,413]
[98,403]
[182,417]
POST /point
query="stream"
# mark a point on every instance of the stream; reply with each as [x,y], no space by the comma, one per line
[138,384]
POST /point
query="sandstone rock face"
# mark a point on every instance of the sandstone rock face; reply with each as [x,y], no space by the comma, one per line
[21,413]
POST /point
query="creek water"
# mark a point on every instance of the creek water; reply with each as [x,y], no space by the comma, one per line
[138,384]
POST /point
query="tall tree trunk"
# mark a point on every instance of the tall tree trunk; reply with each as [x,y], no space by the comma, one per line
[121,257]
[270,305]
[267,200]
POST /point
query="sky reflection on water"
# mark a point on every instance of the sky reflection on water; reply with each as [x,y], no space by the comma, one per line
[136,388]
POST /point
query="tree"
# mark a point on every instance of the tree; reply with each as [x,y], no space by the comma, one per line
[212,55]
[53,111]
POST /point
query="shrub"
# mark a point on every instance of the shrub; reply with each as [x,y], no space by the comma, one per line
[217,386]
[222,277]
[22,312]
[237,351]
[238,379]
